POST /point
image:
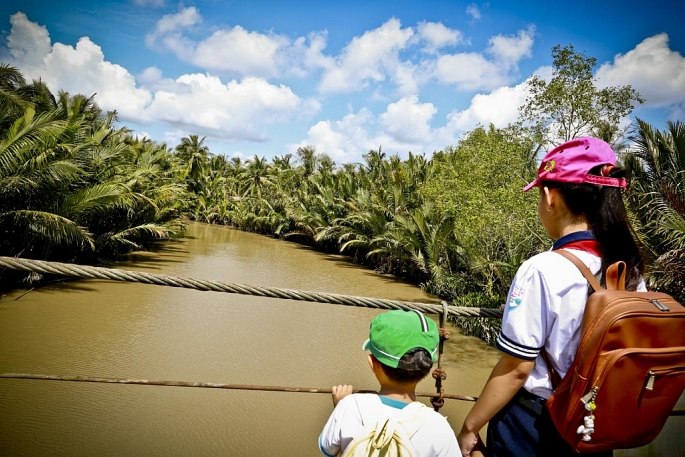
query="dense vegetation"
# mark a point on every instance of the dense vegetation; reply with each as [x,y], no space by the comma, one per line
[74,187]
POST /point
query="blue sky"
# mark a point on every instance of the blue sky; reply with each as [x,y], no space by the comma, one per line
[265,77]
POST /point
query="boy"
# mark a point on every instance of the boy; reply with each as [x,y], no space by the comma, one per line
[403,346]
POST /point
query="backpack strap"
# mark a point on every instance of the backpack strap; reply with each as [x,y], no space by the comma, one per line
[413,416]
[554,377]
[615,275]
[582,267]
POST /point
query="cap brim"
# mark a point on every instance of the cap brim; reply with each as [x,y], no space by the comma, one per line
[365,346]
[535,183]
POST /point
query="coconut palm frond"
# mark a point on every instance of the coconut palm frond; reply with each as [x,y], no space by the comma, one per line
[53,228]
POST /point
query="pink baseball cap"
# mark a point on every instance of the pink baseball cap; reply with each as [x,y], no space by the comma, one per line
[572,161]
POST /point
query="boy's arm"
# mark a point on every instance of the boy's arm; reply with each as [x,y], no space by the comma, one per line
[330,439]
[339,392]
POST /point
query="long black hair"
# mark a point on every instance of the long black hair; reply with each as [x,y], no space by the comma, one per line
[606,214]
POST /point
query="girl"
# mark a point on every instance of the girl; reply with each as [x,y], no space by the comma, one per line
[581,208]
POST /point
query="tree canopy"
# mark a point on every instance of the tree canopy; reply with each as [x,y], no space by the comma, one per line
[572,104]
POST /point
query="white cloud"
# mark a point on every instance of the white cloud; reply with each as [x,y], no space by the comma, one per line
[473,11]
[150,75]
[28,43]
[237,51]
[81,69]
[473,71]
[185,18]
[408,121]
[404,126]
[652,68]
[469,71]
[236,110]
[305,54]
[345,140]
[194,103]
[508,51]
[437,36]
[500,107]
[370,57]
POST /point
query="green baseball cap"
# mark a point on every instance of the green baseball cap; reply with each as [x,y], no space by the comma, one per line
[394,333]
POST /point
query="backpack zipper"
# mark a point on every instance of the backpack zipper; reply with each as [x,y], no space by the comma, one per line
[590,330]
[590,396]
[659,305]
[603,372]
[650,380]
[652,375]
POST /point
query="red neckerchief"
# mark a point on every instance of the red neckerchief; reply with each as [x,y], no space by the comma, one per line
[591,246]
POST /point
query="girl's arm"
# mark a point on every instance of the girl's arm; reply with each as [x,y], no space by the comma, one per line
[506,379]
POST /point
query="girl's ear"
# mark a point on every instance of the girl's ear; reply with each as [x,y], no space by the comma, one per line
[550,197]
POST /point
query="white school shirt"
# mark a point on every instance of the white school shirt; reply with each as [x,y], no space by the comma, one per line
[434,438]
[545,308]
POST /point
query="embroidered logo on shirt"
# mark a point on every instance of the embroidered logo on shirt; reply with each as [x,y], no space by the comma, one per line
[516,298]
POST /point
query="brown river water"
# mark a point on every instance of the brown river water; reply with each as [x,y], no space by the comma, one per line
[123,330]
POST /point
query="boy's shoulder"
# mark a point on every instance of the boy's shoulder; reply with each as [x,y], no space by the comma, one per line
[354,399]
[373,401]
[361,401]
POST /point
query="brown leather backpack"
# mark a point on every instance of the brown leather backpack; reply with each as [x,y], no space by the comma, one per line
[629,370]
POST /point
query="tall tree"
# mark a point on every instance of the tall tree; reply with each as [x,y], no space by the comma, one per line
[308,159]
[571,105]
[194,153]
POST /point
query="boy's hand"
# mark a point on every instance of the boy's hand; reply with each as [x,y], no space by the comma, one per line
[340,392]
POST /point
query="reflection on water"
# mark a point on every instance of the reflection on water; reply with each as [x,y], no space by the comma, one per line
[108,329]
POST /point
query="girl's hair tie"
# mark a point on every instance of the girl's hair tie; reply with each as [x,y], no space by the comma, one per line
[606,169]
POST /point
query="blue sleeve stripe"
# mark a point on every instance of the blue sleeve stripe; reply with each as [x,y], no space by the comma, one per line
[323,451]
[515,350]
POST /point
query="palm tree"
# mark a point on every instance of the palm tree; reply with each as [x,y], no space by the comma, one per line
[73,186]
[194,154]
[256,176]
[308,159]
[657,200]
[422,244]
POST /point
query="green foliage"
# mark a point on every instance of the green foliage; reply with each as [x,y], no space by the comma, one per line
[478,184]
[656,198]
[72,186]
[570,105]
[486,329]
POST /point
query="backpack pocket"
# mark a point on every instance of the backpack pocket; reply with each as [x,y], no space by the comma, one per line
[635,390]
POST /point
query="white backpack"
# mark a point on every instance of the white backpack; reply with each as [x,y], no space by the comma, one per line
[386,437]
